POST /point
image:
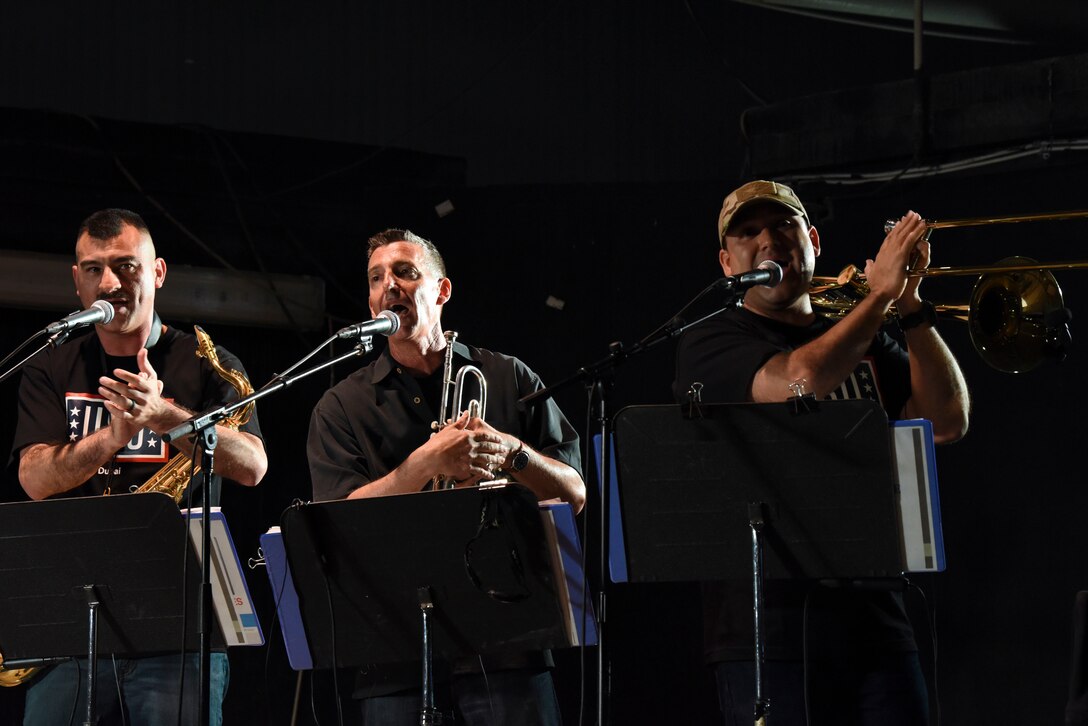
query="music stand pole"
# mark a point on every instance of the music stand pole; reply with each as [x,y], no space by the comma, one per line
[92,650]
[428,714]
[203,428]
[604,675]
[597,378]
[208,440]
[734,493]
[756,522]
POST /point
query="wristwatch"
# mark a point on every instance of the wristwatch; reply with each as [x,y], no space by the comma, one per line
[925,315]
[520,460]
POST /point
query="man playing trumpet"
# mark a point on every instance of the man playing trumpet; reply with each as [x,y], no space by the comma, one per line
[864,665]
[371,435]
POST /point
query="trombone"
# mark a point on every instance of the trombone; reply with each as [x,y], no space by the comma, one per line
[1016,316]
[981,221]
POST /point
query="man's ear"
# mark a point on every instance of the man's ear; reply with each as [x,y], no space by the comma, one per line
[814,236]
[75,278]
[160,272]
[723,260]
[445,289]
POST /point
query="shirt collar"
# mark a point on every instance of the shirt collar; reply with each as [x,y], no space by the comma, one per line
[386,365]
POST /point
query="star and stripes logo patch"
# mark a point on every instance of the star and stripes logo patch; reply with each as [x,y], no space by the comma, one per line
[87,413]
[861,383]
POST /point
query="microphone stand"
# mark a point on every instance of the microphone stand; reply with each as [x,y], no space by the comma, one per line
[58,333]
[202,428]
[598,377]
[54,340]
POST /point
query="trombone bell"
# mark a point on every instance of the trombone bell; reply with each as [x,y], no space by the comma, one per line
[1018,319]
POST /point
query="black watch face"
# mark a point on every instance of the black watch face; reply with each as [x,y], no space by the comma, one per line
[521,460]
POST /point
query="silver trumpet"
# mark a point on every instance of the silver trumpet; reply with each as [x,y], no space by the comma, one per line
[451,408]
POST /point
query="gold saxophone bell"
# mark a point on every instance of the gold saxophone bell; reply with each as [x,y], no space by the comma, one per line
[15,676]
[176,474]
[451,408]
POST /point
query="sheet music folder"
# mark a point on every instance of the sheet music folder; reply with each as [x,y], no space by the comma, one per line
[825,477]
[484,553]
[131,547]
[231,600]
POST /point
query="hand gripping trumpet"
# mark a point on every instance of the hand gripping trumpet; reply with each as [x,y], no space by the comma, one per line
[451,408]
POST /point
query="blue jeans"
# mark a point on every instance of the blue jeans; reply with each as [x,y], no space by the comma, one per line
[888,690]
[502,698]
[145,688]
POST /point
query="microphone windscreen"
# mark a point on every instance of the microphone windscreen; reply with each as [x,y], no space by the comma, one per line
[107,310]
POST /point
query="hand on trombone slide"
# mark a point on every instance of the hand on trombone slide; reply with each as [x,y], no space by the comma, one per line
[905,249]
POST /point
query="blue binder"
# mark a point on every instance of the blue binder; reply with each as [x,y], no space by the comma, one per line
[286,599]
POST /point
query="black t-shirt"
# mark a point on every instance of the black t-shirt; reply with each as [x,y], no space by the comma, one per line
[59,402]
[724,354]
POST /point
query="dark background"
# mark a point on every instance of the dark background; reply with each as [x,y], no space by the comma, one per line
[585,148]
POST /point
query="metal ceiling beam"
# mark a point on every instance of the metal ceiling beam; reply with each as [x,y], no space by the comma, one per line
[194,294]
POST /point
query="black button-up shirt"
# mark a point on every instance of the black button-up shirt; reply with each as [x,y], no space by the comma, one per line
[368,424]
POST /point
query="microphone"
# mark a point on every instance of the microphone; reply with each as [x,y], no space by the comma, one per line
[386,322]
[768,274]
[100,312]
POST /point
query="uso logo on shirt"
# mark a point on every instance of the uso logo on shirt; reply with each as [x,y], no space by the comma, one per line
[87,413]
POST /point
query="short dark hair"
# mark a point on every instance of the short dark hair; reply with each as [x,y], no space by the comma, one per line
[390,236]
[107,223]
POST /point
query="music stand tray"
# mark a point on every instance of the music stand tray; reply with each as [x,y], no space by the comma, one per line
[824,477]
[482,553]
[131,548]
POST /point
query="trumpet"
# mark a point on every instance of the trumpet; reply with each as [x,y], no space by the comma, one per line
[452,407]
[1016,315]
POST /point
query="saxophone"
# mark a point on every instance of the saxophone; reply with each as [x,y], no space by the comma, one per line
[174,476]
[15,676]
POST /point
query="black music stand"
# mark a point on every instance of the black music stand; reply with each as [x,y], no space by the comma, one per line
[799,489]
[95,576]
[457,573]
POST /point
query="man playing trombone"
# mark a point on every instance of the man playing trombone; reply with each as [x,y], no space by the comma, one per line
[864,666]
[371,435]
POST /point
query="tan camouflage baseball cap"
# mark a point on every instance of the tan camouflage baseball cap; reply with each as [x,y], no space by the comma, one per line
[757,191]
